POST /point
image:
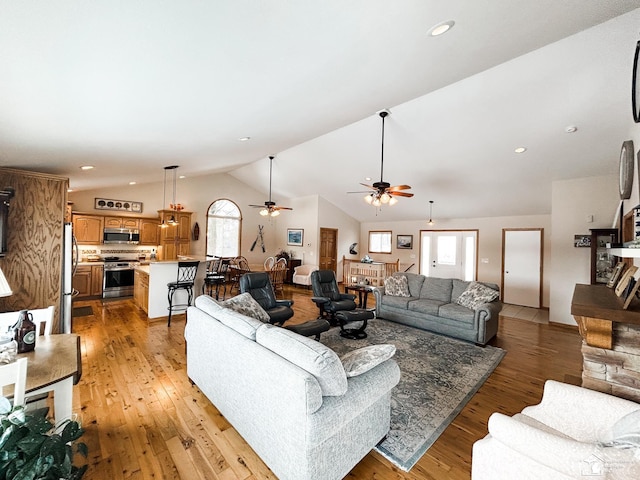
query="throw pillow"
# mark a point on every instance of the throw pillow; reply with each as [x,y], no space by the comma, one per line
[476,295]
[314,357]
[247,305]
[364,359]
[396,286]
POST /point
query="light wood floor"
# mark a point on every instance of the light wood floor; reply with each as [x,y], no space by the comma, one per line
[144,420]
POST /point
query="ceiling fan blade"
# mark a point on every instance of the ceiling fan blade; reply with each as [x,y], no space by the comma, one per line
[369,186]
[282,208]
[401,194]
[257,206]
[398,187]
[361,191]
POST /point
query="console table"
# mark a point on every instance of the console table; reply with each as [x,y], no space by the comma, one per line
[611,340]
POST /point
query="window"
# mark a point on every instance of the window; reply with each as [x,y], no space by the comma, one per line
[224,222]
[380,242]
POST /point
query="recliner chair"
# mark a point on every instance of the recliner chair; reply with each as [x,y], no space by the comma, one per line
[258,285]
[339,308]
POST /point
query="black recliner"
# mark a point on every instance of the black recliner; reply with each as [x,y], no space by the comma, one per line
[258,285]
[339,308]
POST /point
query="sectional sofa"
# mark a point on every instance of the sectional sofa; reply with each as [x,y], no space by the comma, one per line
[452,307]
[287,395]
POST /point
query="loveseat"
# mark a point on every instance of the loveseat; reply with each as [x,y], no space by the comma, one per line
[287,395]
[452,307]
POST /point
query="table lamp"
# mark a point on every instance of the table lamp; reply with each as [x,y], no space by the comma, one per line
[5,289]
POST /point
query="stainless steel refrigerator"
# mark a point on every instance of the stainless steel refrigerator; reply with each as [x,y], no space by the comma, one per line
[69,265]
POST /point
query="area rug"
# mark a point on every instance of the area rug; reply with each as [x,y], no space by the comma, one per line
[439,375]
[82,311]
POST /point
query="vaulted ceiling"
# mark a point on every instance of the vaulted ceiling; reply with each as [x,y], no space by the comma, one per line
[130,87]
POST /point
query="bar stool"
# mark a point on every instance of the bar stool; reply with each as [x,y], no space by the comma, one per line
[184,281]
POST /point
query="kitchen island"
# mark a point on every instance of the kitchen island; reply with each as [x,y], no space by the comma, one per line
[150,289]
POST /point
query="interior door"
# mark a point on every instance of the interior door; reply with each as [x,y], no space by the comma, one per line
[522,267]
[328,249]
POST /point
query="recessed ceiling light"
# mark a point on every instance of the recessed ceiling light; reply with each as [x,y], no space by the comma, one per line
[181,176]
[86,167]
[244,139]
[367,179]
[520,150]
[69,190]
[132,183]
[571,129]
[441,28]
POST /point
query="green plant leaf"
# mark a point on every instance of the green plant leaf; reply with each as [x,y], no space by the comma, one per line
[82,449]
[28,472]
[31,444]
[72,431]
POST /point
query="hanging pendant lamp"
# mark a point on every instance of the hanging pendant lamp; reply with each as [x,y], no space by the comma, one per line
[430,222]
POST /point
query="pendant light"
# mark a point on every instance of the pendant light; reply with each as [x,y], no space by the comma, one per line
[173,206]
[430,222]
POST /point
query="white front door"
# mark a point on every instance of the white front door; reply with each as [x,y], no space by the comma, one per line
[522,267]
[448,254]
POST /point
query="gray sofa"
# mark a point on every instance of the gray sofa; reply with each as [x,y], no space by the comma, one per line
[432,306]
[287,395]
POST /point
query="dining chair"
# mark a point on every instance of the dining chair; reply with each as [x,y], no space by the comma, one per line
[277,274]
[216,277]
[239,267]
[42,317]
[269,263]
[15,373]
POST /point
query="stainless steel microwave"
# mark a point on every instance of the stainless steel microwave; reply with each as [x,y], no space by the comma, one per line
[121,235]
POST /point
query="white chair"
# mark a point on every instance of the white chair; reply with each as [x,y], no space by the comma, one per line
[42,317]
[570,434]
[15,373]
[302,274]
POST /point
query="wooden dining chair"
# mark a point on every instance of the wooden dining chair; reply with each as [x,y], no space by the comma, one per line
[269,263]
[276,275]
[15,373]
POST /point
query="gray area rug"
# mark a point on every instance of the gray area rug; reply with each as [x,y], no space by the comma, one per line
[439,375]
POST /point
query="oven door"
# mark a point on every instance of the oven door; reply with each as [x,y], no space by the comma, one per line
[117,283]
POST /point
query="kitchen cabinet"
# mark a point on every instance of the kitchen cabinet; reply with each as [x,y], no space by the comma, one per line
[149,231]
[88,229]
[174,239]
[141,289]
[602,261]
[88,281]
[122,222]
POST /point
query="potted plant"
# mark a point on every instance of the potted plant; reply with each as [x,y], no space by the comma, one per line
[31,448]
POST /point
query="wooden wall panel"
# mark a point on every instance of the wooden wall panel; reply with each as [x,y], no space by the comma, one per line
[33,263]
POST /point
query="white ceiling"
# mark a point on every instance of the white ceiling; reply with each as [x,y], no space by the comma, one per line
[131,87]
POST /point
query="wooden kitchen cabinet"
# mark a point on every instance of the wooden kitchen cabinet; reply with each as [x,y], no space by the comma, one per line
[174,239]
[141,290]
[149,231]
[121,222]
[88,281]
[88,229]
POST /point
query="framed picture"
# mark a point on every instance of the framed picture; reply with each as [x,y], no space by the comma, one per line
[404,241]
[582,240]
[615,275]
[295,236]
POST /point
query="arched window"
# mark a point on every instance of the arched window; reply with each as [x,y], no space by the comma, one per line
[224,224]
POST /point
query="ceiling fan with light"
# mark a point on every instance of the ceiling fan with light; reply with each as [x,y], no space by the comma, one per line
[383,193]
[270,208]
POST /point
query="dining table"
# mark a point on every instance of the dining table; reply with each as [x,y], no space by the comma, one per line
[55,365]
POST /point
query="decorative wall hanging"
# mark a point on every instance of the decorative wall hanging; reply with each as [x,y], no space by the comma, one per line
[404,241]
[122,205]
[295,236]
[626,169]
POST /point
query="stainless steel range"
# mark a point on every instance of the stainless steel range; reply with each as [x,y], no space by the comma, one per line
[118,277]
